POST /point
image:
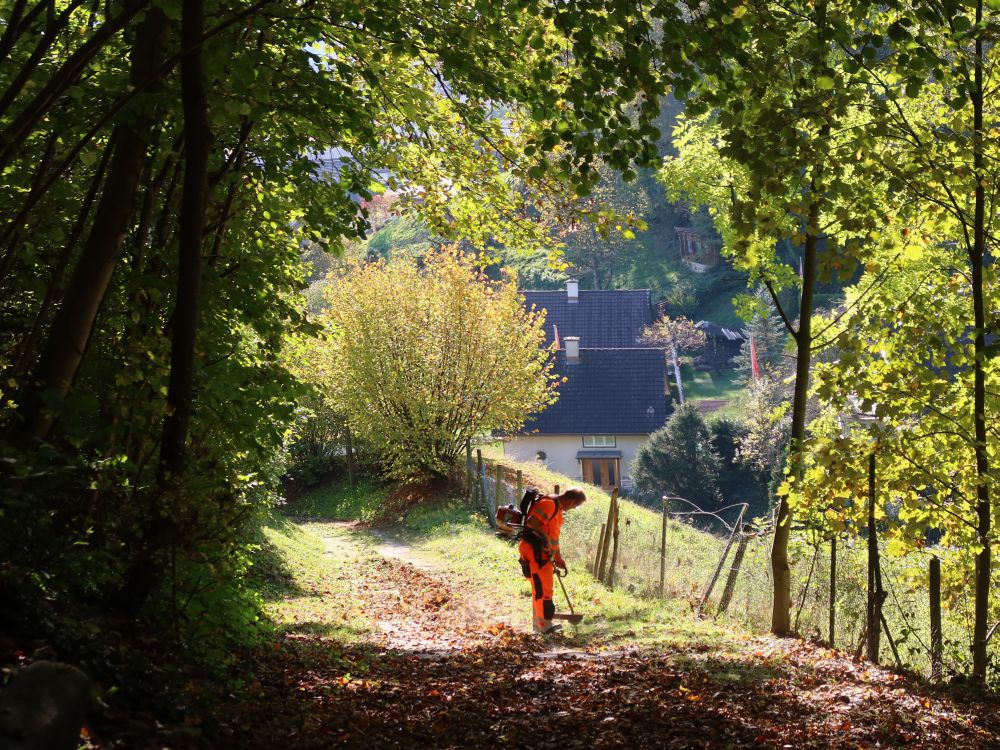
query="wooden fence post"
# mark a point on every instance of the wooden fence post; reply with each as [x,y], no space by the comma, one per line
[734,572]
[557,489]
[614,544]
[597,552]
[484,497]
[479,498]
[607,536]
[468,472]
[722,561]
[498,493]
[519,487]
[936,646]
[663,547]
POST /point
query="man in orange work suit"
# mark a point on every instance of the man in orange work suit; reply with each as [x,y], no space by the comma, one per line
[540,551]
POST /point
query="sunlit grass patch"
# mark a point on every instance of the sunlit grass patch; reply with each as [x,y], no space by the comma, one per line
[313,594]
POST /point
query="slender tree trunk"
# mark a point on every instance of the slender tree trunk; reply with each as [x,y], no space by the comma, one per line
[937,648]
[983,506]
[198,140]
[782,595]
[833,592]
[73,324]
[159,533]
[873,621]
[26,349]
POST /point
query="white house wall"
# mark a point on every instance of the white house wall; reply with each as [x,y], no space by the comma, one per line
[560,452]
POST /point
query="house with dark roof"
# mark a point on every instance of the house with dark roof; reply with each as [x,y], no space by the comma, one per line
[615,394]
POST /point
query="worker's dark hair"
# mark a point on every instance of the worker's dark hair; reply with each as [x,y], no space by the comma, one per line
[573,493]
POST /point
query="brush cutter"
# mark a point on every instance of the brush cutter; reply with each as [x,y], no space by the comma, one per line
[572,617]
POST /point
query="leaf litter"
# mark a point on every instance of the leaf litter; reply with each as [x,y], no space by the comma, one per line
[438,672]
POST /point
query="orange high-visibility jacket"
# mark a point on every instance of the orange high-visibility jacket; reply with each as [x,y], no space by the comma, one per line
[545,516]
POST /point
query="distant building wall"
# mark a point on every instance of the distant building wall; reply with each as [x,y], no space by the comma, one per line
[561,450]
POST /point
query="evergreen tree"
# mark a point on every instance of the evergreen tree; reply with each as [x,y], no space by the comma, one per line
[738,482]
[769,336]
[679,460]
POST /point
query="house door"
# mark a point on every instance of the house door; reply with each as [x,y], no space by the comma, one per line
[602,472]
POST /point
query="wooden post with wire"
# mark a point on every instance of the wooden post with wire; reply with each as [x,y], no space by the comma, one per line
[478,496]
[607,536]
[722,562]
[614,545]
[599,550]
[663,546]
[468,472]
[498,490]
[734,569]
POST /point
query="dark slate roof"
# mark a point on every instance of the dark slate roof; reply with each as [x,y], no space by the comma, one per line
[608,392]
[602,319]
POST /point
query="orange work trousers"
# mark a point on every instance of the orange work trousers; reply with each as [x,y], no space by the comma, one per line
[540,577]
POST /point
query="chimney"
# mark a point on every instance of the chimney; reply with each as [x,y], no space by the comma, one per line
[572,349]
[572,290]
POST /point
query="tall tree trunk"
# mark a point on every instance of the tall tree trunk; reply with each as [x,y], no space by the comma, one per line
[159,532]
[976,258]
[73,324]
[876,596]
[781,572]
[198,140]
[26,349]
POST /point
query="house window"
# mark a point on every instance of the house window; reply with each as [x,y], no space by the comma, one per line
[598,441]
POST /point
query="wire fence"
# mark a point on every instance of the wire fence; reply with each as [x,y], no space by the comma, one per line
[728,573]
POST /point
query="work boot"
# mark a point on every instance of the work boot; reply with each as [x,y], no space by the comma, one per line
[551,629]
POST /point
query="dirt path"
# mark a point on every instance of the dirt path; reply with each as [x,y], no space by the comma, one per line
[437,672]
[417,606]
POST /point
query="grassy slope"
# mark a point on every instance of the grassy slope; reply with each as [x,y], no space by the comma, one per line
[458,539]
[300,573]
[692,557]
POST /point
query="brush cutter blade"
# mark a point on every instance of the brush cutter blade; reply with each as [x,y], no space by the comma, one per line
[574,619]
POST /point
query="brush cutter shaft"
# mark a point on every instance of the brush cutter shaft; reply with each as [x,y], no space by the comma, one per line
[563,587]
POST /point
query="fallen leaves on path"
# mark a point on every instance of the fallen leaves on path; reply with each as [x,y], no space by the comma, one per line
[437,674]
[498,693]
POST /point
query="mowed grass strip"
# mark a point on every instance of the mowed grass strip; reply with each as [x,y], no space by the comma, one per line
[305,573]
